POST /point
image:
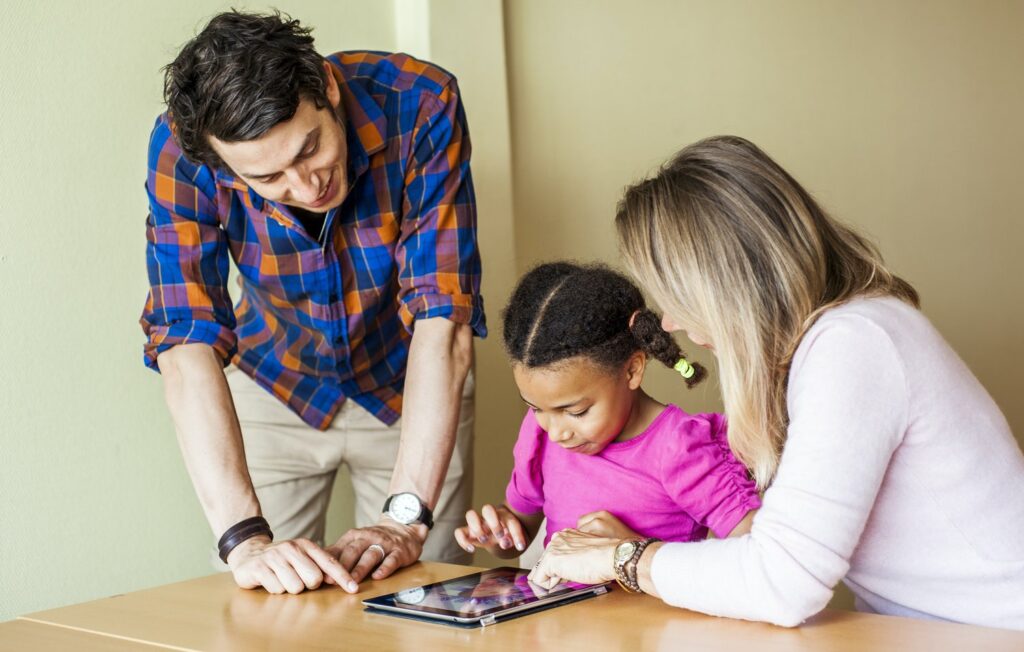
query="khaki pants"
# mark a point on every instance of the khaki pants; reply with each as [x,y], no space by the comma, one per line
[293,466]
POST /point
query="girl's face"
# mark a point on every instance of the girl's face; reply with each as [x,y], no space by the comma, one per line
[670,326]
[582,406]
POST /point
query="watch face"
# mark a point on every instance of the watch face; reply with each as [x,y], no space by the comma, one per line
[624,550]
[404,508]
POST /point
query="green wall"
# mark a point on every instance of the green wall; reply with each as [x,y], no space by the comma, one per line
[94,498]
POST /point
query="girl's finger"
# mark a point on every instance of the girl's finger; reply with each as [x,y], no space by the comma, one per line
[495,525]
[462,538]
[477,527]
[493,521]
[515,529]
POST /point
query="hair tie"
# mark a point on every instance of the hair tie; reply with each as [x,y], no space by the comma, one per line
[684,368]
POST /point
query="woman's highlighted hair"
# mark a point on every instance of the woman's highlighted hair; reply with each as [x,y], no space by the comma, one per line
[727,241]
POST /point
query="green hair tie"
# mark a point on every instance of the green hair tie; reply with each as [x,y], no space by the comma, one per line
[684,368]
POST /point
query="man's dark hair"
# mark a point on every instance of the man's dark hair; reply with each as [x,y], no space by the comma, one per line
[241,76]
[561,310]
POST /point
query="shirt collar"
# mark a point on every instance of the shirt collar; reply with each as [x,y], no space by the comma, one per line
[365,122]
[365,126]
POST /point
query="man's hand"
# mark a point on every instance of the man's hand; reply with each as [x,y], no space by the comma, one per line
[496,529]
[386,546]
[292,566]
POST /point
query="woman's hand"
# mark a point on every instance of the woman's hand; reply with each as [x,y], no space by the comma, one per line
[495,529]
[605,524]
[576,556]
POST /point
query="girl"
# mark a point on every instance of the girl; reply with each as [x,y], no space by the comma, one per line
[579,339]
[887,463]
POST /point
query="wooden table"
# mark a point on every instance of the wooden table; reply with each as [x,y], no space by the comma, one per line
[211,613]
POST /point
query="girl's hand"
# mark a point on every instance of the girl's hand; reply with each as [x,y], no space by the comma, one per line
[605,524]
[576,556]
[494,528]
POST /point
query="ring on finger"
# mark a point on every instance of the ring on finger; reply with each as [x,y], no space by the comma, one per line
[379,548]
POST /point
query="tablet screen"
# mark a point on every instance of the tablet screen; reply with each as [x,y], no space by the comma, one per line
[476,595]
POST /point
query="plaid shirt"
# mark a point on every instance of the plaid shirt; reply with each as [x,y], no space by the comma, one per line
[319,323]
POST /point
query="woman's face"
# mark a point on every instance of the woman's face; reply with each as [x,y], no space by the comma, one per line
[671,326]
[582,406]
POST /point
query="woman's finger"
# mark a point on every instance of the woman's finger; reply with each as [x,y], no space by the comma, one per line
[541,576]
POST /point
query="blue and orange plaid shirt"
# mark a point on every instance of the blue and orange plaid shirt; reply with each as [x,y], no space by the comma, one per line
[318,323]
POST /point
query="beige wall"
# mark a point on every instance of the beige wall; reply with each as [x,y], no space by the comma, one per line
[902,119]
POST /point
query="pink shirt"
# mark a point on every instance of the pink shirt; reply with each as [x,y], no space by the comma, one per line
[673,481]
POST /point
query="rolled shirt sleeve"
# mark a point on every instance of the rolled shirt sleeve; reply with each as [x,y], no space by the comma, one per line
[437,254]
[186,255]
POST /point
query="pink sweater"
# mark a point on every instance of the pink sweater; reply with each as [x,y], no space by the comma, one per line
[673,481]
[900,476]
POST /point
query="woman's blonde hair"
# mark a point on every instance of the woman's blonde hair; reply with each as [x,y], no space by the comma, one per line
[732,247]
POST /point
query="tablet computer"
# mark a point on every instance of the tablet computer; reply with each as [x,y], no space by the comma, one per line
[480,599]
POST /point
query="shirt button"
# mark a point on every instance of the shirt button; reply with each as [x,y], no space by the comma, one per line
[334,298]
[338,339]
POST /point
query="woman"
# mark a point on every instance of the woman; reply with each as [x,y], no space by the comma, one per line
[885,462]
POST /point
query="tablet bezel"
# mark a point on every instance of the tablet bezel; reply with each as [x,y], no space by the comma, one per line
[388,601]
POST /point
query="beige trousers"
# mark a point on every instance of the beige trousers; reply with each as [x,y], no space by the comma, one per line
[293,466]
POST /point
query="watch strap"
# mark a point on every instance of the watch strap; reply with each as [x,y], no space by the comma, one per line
[626,570]
[426,516]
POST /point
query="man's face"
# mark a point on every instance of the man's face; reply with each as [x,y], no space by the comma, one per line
[301,162]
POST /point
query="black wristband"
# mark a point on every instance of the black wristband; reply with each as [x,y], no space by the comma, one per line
[246,529]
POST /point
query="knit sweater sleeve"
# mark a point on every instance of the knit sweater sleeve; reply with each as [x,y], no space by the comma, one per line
[848,410]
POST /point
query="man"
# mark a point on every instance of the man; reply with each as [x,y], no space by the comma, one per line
[341,188]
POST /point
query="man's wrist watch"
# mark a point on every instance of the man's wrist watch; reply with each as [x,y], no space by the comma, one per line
[407,508]
[627,556]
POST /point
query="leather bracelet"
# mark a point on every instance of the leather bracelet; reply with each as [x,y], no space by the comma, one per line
[243,530]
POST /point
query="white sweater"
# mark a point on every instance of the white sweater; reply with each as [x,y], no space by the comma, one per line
[899,476]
